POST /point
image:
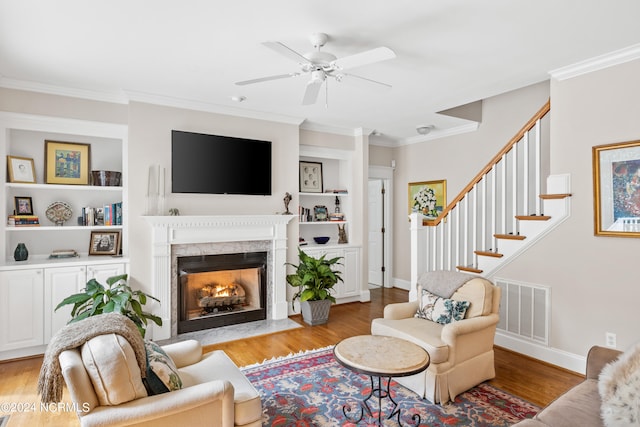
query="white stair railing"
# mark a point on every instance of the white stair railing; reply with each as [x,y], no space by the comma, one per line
[485,211]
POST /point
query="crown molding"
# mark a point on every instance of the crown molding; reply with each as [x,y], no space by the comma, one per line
[115,97]
[610,59]
[336,130]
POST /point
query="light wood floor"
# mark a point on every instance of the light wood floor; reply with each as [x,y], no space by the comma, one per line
[530,379]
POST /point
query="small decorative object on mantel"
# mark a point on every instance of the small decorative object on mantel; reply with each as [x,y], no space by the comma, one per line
[21,253]
[287,200]
[174,212]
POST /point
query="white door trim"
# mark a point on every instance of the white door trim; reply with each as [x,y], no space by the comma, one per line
[386,174]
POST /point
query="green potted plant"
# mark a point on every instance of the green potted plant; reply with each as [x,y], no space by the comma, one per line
[116,297]
[314,279]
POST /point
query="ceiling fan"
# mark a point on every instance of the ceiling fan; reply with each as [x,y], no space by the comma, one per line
[320,65]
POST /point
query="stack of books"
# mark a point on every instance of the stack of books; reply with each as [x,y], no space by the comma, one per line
[110,214]
[23,221]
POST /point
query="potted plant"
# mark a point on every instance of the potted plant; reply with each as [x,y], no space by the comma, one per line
[314,279]
[116,297]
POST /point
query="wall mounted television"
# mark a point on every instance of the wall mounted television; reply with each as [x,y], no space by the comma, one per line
[214,164]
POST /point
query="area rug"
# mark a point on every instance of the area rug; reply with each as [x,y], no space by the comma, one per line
[311,389]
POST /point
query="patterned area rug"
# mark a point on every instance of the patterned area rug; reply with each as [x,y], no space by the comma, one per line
[311,389]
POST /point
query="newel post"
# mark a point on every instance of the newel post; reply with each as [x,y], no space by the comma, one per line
[418,251]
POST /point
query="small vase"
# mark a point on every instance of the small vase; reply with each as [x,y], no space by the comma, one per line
[21,253]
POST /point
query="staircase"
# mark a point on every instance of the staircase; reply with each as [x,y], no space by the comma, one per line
[505,209]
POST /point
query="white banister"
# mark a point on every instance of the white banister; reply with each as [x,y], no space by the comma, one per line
[509,186]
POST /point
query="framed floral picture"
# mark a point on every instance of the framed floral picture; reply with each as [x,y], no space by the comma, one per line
[428,197]
[67,163]
[616,186]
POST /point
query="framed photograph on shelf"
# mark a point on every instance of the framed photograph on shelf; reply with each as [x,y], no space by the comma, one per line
[23,205]
[21,169]
[104,243]
[311,177]
[67,163]
[616,186]
[320,213]
[428,197]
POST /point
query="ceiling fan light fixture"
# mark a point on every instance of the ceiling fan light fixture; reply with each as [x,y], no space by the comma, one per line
[424,129]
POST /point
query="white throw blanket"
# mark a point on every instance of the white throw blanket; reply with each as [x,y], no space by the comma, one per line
[443,283]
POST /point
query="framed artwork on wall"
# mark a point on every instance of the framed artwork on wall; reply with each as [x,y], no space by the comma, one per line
[311,177]
[67,163]
[104,243]
[21,169]
[616,187]
[428,197]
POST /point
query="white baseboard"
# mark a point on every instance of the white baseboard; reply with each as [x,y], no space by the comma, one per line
[554,356]
[402,284]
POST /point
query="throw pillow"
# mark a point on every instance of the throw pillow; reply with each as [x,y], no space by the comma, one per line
[441,310]
[162,374]
[619,385]
[113,369]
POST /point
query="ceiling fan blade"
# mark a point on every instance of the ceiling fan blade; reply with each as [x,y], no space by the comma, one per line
[364,58]
[312,91]
[286,51]
[266,79]
[361,81]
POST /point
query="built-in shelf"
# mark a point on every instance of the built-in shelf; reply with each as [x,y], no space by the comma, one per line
[61,187]
[65,228]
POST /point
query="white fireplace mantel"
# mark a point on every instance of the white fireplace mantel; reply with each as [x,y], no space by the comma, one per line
[180,230]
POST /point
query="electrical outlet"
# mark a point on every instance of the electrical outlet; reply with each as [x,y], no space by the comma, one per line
[610,339]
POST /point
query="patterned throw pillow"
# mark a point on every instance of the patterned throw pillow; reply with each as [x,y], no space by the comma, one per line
[441,310]
[162,374]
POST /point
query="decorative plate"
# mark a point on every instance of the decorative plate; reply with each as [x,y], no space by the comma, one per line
[59,212]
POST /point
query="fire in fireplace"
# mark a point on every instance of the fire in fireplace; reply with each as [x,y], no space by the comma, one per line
[221,290]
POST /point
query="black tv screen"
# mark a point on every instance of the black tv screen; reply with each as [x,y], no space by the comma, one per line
[213,164]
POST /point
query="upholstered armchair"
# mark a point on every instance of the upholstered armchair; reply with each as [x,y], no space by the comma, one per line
[461,351]
[214,391]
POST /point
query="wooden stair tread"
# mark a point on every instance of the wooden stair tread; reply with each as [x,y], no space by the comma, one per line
[555,196]
[469,269]
[489,253]
[533,217]
[509,236]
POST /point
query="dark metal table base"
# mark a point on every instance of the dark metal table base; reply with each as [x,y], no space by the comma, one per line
[381,393]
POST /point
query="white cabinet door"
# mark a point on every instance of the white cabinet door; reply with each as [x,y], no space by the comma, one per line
[351,276]
[59,283]
[21,309]
[101,272]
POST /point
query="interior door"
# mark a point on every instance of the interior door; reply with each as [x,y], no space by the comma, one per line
[376,241]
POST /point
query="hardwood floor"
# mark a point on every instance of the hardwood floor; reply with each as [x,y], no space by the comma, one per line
[530,379]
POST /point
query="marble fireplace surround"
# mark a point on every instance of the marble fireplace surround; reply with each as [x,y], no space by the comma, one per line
[174,236]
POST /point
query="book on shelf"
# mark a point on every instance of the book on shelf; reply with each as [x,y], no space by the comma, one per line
[109,214]
[23,221]
[338,191]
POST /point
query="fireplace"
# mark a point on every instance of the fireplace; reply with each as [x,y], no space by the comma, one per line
[220,290]
[173,237]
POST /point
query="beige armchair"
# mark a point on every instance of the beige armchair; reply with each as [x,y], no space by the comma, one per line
[461,352]
[214,393]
